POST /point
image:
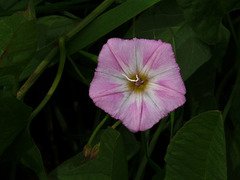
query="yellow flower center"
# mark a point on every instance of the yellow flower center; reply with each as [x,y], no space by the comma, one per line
[137,83]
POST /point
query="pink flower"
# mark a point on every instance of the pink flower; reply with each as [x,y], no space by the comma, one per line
[137,81]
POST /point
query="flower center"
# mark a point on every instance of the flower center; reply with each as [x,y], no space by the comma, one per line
[137,84]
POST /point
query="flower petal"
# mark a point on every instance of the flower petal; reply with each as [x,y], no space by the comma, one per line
[139,112]
[127,56]
[117,57]
[170,79]
[130,111]
[144,51]
[161,61]
[105,84]
[166,99]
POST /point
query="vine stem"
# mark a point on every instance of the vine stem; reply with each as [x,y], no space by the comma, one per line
[45,62]
[143,163]
[84,80]
[231,97]
[97,129]
[37,73]
[116,124]
[56,80]
[234,34]
[235,88]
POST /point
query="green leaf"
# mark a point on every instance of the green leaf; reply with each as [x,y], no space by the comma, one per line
[221,46]
[7,80]
[25,152]
[205,16]
[232,133]
[29,155]
[233,151]
[201,87]
[158,22]
[190,53]
[62,6]
[198,150]
[50,28]
[18,42]
[110,163]
[131,144]
[14,115]
[235,104]
[7,4]
[165,21]
[159,175]
[107,22]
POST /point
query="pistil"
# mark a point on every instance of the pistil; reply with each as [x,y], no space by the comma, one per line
[137,82]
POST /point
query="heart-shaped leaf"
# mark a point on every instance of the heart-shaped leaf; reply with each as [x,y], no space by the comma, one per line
[198,150]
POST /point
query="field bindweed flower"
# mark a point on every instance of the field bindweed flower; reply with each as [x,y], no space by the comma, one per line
[137,81]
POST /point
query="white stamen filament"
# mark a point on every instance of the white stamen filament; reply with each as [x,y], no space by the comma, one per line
[132,80]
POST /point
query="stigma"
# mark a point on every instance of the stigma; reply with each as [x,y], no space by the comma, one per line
[137,82]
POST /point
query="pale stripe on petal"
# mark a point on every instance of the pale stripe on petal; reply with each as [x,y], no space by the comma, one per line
[103,85]
[161,60]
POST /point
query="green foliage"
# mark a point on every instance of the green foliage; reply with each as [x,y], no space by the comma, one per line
[131,145]
[108,22]
[50,29]
[232,134]
[205,16]
[165,21]
[202,84]
[198,150]
[14,118]
[204,35]
[110,162]
[18,42]
[24,151]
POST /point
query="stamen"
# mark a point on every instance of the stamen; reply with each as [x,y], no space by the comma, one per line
[132,80]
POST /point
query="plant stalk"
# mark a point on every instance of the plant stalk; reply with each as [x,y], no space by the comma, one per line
[97,129]
[152,145]
[44,64]
[116,124]
[55,82]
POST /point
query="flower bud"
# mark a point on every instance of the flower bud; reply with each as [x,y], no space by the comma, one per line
[95,151]
[87,150]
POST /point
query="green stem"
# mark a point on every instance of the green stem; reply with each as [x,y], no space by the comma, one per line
[159,130]
[37,73]
[226,77]
[55,82]
[92,57]
[102,7]
[235,88]
[84,80]
[152,145]
[231,98]
[97,129]
[233,32]
[116,124]
[44,64]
